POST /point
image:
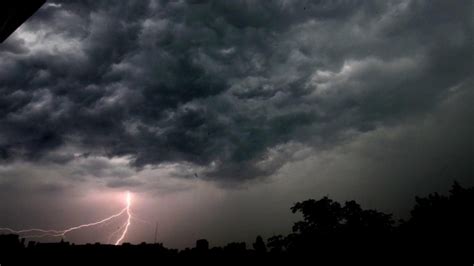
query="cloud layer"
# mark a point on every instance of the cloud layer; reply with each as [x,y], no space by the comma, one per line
[229,90]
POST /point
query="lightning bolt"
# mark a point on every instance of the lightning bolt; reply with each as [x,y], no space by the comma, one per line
[129,219]
[40,233]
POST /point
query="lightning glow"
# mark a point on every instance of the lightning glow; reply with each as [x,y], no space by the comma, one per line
[40,233]
[129,218]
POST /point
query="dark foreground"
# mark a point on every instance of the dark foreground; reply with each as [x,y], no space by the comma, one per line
[440,230]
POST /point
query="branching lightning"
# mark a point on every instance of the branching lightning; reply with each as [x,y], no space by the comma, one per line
[40,233]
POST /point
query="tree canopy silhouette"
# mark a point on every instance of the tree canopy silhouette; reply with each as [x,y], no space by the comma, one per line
[438,224]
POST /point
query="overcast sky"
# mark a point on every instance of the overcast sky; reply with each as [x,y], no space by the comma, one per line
[219,115]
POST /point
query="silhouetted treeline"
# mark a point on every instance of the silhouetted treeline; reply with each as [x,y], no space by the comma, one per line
[440,227]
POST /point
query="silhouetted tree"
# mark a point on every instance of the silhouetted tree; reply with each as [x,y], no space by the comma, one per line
[442,222]
[276,243]
[235,248]
[329,225]
[326,216]
[259,245]
[202,245]
[321,216]
[355,220]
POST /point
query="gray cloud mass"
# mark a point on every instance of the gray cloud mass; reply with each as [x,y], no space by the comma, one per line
[220,84]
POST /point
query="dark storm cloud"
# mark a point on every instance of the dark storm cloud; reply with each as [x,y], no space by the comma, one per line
[220,84]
